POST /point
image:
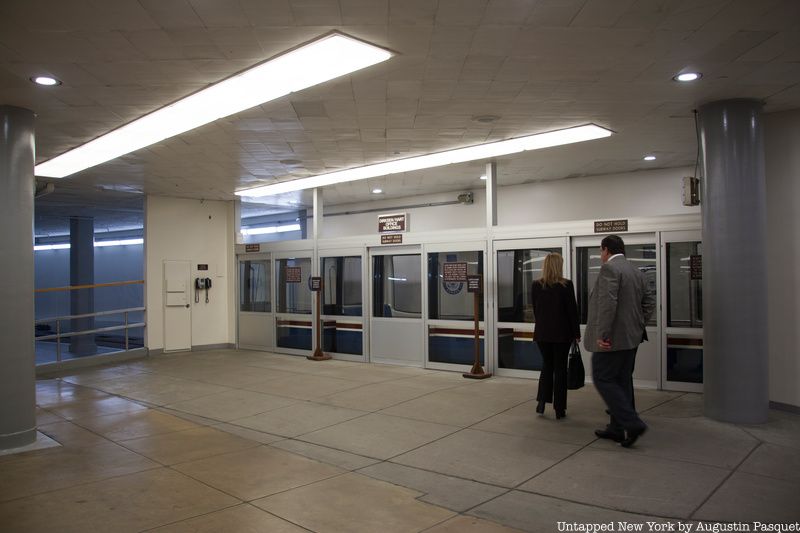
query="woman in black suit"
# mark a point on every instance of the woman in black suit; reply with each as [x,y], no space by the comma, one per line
[556,316]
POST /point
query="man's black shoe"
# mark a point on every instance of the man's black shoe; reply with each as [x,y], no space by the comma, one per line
[608,434]
[631,436]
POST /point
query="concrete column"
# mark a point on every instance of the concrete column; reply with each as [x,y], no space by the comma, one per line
[17,360]
[734,262]
[491,194]
[81,272]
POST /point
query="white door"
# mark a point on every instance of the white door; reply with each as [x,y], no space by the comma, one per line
[396,328]
[682,319]
[342,271]
[256,325]
[518,263]
[177,306]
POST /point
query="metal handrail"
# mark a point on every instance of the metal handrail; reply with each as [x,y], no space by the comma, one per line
[90,286]
[87,315]
[58,335]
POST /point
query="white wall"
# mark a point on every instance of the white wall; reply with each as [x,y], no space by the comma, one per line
[200,232]
[633,194]
[613,196]
[782,147]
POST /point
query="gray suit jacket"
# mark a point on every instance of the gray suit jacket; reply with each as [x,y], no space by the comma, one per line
[620,306]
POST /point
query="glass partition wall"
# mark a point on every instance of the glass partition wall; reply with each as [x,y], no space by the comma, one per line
[293,303]
[451,309]
[342,305]
[519,264]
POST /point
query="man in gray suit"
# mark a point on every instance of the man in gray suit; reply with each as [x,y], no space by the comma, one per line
[620,306]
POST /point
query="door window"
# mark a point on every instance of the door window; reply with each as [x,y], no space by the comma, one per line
[341,287]
[293,296]
[587,258]
[254,286]
[397,289]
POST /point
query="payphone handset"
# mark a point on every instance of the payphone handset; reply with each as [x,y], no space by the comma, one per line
[199,285]
[208,286]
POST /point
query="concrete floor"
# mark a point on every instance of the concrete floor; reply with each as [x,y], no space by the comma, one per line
[242,441]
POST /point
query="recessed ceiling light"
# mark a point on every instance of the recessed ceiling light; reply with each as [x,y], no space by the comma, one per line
[324,59]
[688,76]
[486,119]
[649,158]
[537,141]
[45,80]
[377,191]
[483,177]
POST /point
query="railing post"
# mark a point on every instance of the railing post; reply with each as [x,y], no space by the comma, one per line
[126,331]
[58,341]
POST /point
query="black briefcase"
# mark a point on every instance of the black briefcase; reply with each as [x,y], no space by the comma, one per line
[576,375]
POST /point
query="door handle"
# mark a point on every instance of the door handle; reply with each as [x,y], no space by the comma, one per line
[187,306]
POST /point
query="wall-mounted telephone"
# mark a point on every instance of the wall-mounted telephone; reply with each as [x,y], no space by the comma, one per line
[199,285]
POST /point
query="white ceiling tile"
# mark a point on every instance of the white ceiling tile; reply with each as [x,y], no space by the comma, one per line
[316,12]
[412,12]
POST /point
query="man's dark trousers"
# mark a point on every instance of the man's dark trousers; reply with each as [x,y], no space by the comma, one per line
[611,373]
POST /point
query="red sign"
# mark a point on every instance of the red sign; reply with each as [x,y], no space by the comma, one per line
[395,238]
[454,271]
[293,274]
[391,223]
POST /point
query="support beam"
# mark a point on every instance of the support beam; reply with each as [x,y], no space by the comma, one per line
[491,194]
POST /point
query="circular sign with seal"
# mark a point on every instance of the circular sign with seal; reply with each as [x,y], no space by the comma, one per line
[453,287]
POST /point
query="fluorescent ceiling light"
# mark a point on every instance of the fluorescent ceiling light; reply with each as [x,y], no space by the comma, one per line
[97,244]
[483,178]
[270,229]
[438,159]
[649,158]
[319,61]
[377,191]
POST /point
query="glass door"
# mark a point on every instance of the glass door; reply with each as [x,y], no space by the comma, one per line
[450,322]
[682,345]
[395,323]
[642,252]
[342,303]
[518,263]
[255,318]
[293,303]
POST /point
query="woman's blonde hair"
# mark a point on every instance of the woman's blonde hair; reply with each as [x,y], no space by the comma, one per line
[553,270]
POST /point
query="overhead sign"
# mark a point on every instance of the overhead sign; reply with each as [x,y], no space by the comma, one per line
[696,267]
[610,226]
[392,223]
[293,274]
[202,267]
[454,271]
[252,248]
[395,238]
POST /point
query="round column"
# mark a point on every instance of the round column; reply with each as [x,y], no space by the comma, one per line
[17,360]
[736,385]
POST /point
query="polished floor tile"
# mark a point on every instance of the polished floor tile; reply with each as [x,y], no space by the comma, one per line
[456,407]
[541,514]
[187,445]
[57,468]
[776,461]
[243,518]
[257,472]
[629,482]
[748,497]
[373,397]
[445,491]
[123,504]
[125,426]
[503,460]
[354,503]
[232,404]
[379,436]
[457,446]
[298,419]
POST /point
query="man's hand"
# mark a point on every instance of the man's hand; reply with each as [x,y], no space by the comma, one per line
[605,344]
